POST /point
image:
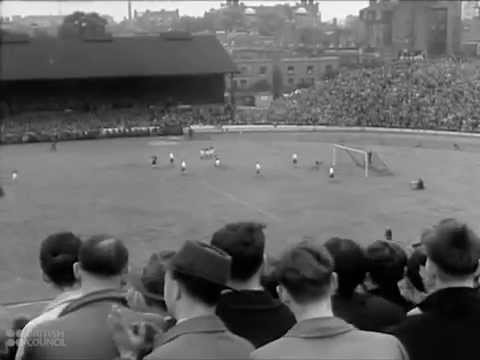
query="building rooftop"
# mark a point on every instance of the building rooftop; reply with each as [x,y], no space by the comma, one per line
[165,55]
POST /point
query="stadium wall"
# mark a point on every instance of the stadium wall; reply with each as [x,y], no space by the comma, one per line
[142,131]
[319,128]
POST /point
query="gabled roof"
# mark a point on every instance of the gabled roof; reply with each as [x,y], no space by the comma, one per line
[166,55]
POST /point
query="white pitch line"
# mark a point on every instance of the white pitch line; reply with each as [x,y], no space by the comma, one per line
[241,202]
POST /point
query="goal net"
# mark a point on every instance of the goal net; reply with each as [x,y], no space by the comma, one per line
[369,161]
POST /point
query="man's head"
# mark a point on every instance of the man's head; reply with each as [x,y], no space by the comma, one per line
[195,278]
[58,253]
[350,264]
[306,275]
[102,258]
[453,253]
[151,281]
[413,287]
[386,263]
[245,243]
[415,262]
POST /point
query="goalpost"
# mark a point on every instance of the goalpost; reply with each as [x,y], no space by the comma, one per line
[350,150]
[369,161]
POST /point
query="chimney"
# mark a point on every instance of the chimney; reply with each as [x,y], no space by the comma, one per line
[129,10]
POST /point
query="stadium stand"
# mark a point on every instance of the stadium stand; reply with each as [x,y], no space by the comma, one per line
[439,95]
[80,88]
[428,95]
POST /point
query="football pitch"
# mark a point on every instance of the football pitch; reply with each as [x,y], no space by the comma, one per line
[109,186]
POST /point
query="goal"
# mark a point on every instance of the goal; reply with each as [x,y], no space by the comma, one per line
[368,160]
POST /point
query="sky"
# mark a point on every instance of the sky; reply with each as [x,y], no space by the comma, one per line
[119,9]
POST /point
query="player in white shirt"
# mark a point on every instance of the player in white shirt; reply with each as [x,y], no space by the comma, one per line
[217,162]
[172,158]
[294,159]
[183,167]
[14,175]
[331,173]
[258,168]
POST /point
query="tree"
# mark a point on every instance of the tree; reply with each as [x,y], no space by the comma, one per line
[80,24]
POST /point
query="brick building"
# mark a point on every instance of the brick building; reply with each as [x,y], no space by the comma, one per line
[298,72]
[430,26]
[252,72]
[258,75]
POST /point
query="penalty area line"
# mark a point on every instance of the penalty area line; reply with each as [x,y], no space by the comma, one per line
[246,204]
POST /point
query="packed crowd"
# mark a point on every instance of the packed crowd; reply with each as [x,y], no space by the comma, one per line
[225,299]
[436,95]
[134,121]
[440,95]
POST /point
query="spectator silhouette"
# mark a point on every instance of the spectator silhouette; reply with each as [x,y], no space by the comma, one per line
[365,311]
[249,310]
[449,324]
[307,282]
[81,331]
[58,253]
[193,284]
[386,262]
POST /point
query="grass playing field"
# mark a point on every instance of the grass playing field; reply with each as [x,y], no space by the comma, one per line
[109,186]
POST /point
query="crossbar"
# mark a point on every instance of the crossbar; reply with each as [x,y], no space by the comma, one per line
[349,148]
[343,147]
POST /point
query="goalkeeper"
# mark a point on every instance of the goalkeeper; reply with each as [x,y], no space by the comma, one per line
[417,184]
[369,157]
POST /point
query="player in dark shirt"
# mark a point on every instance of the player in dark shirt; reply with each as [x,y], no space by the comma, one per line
[154,160]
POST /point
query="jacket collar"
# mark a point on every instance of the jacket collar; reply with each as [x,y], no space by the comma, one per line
[320,328]
[201,324]
[62,299]
[454,300]
[112,295]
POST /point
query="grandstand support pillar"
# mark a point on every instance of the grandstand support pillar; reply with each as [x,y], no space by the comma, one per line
[232,97]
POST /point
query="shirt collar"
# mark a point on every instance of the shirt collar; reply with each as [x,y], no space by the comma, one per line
[319,328]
